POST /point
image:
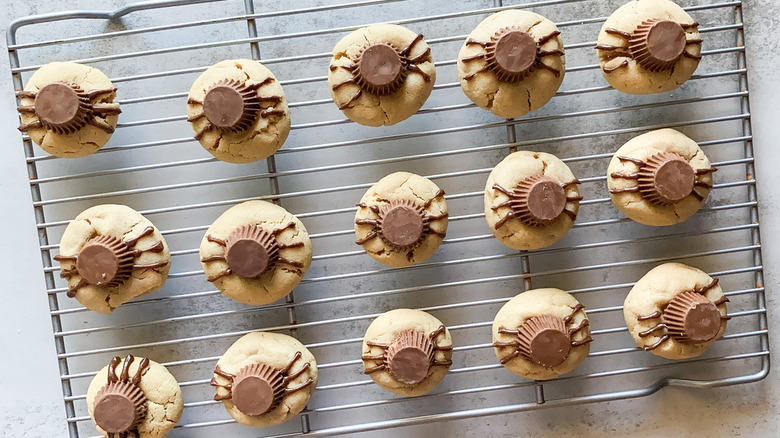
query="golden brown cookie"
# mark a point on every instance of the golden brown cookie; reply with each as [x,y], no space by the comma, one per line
[402,219]
[68,109]
[238,111]
[134,397]
[512,63]
[256,252]
[676,311]
[659,178]
[407,352]
[541,334]
[381,75]
[265,379]
[531,200]
[110,254]
[649,46]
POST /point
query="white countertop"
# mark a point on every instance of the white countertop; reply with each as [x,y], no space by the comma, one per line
[32,405]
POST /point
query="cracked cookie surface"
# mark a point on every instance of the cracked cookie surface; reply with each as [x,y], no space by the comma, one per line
[394,188]
[512,99]
[371,109]
[642,147]
[275,350]
[280,278]
[125,224]
[626,74]
[521,308]
[267,132]
[86,140]
[164,400]
[508,174]
[385,328]
[653,293]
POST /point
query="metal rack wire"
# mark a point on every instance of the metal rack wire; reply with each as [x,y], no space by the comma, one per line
[153,50]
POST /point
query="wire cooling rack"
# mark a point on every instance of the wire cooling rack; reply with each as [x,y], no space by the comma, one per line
[154,50]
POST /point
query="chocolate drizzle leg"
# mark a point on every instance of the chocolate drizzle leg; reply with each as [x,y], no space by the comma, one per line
[120,405]
[258,388]
[251,250]
[689,318]
[107,261]
[401,224]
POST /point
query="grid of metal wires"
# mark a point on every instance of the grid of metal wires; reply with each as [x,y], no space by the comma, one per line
[153,164]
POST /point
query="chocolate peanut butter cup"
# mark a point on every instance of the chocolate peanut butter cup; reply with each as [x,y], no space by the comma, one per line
[666,178]
[657,44]
[250,251]
[409,357]
[379,69]
[119,407]
[257,389]
[105,261]
[402,223]
[692,318]
[231,106]
[540,200]
[62,107]
[511,54]
[544,340]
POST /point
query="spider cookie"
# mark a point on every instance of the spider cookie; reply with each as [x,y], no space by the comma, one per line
[512,63]
[659,178]
[381,75]
[238,111]
[265,379]
[407,352]
[68,109]
[649,46]
[401,220]
[136,397]
[676,311]
[110,254]
[256,252]
[531,200]
[541,334]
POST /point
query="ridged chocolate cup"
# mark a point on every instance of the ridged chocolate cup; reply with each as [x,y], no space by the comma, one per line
[410,356]
[250,250]
[511,54]
[541,200]
[379,69]
[666,178]
[544,340]
[230,106]
[657,44]
[257,389]
[105,261]
[119,407]
[692,318]
[402,224]
[62,107]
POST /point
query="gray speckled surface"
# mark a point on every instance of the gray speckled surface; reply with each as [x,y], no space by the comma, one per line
[34,407]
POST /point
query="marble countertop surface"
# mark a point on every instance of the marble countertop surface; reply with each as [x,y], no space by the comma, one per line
[32,401]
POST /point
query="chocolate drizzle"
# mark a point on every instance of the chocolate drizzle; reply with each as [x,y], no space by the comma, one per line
[380,69]
[409,356]
[107,261]
[401,224]
[258,388]
[250,251]
[689,318]
[544,339]
[512,54]
[64,108]
[120,405]
[664,179]
[536,201]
